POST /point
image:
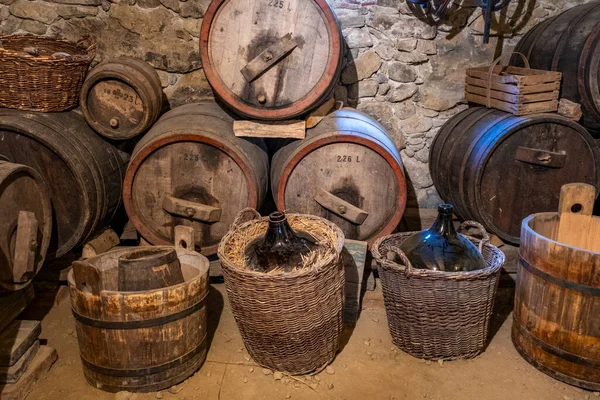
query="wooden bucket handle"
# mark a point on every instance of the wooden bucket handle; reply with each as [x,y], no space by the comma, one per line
[491,72]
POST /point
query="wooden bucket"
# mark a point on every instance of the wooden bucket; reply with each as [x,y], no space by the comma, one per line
[83,172]
[139,341]
[348,171]
[121,98]
[481,150]
[570,43]
[557,304]
[190,169]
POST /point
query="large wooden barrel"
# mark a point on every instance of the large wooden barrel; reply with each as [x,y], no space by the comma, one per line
[497,168]
[273,59]
[139,341]
[348,171]
[570,43]
[557,303]
[25,224]
[190,169]
[83,172]
[121,98]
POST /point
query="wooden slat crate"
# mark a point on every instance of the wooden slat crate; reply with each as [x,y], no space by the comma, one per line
[519,91]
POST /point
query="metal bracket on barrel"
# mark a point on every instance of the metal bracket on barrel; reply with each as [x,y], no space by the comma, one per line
[341,207]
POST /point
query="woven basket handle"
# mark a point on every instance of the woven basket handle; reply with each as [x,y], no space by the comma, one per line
[491,72]
[245,215]
[396,250]
[485,238]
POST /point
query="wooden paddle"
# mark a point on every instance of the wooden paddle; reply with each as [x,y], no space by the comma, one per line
[576,221]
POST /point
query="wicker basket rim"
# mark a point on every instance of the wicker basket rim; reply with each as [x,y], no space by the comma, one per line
[281,276]
[87,53]
[384,262]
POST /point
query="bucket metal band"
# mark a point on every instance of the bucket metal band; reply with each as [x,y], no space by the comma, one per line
[147,323]
[578,287]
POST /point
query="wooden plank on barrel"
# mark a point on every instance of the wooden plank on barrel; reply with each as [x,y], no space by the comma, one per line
[269,57]
[191,209]
[341,207]
[25,247]
[575,209]
[38,368]
[293,129]
[11,374]
[16,339]
[100,244]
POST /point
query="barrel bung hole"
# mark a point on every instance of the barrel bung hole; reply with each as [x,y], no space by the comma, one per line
[183,244]
[576,208]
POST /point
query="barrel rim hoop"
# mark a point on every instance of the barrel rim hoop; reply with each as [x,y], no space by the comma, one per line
[142,324]
[548,348]
[132,373]
[396,166]
[578,287]
[140,156]
[324,86]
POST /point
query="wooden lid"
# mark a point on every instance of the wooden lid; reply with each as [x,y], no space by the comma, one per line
[273,59]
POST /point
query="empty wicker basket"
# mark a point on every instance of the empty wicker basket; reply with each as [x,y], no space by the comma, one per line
[42,73]
[433,314]
[290,322]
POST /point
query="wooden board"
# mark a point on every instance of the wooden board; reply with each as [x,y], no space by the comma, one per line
[513,89]
[12,303]
[38,368]
[575,209]
[12,374]
[16,339]
[281,129]
[354,257]
[516,98]
[102,243]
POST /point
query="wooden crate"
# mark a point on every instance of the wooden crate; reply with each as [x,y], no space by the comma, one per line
[519,91]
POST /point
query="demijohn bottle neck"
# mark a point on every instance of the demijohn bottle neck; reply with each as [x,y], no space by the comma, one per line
[279,229]
[443,224]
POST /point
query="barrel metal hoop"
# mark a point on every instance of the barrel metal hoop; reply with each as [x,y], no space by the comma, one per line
[148,323]
[565,355]
[127,373]
[594,291]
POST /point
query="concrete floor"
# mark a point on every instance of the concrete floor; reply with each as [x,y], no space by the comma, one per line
[368,367]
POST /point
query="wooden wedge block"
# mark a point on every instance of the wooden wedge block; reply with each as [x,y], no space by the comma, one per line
[13,373]
[39,367]
[293,129]
[321,112]
[16,339]
[13,303]
[100,244]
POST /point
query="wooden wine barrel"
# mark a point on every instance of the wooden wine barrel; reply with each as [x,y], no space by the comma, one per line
[25,224]
[190,169]
[140,341]
[348,171]
[497,168]
[273,59]
[570,43]
[121,98]
[557,303]
[83,172]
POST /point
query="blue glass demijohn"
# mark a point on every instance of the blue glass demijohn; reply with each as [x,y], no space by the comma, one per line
[441,248]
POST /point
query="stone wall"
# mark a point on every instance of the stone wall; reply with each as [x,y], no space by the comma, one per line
[404,67]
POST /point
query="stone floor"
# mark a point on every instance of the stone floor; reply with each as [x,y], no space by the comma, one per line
[367,367]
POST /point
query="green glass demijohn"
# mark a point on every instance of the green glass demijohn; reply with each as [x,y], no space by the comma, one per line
[441,248]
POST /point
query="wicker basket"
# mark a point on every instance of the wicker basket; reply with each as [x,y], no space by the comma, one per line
[48,81]
[289,322]
[433,314]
